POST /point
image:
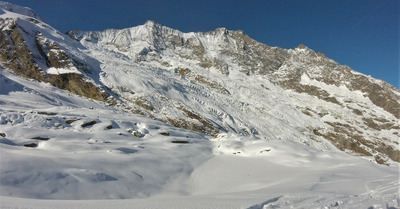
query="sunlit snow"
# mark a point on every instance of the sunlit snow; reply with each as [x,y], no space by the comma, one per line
[106,160]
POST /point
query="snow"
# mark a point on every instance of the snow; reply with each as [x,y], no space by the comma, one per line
[58,71]
[93,163]
[88,157]
[18,9]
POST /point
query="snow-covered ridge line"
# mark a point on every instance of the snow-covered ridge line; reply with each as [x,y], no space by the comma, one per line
[18,9]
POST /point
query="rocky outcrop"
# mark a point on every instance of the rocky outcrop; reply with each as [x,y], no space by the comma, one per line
[15,55]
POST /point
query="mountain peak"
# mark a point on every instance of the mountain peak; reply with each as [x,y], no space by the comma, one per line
[221,30]
[303,47]
[151,23]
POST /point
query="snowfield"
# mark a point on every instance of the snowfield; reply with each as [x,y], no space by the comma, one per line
[91,155]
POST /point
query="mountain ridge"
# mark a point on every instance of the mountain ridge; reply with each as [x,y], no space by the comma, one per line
[213,82]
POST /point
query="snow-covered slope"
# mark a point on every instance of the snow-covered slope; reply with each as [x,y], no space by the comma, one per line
[18,10]
[56,145]
[223,81]
[61,146]
[187,120]
[34,49]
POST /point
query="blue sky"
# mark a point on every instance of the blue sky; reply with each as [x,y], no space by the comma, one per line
[363,34]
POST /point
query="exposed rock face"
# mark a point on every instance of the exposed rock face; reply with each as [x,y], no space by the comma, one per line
[217,81]
[15,54]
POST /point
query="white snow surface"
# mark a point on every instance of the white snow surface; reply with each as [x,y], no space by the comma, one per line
[18,9]
[81,167]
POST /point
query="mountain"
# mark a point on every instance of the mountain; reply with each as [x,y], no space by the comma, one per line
[211,82]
